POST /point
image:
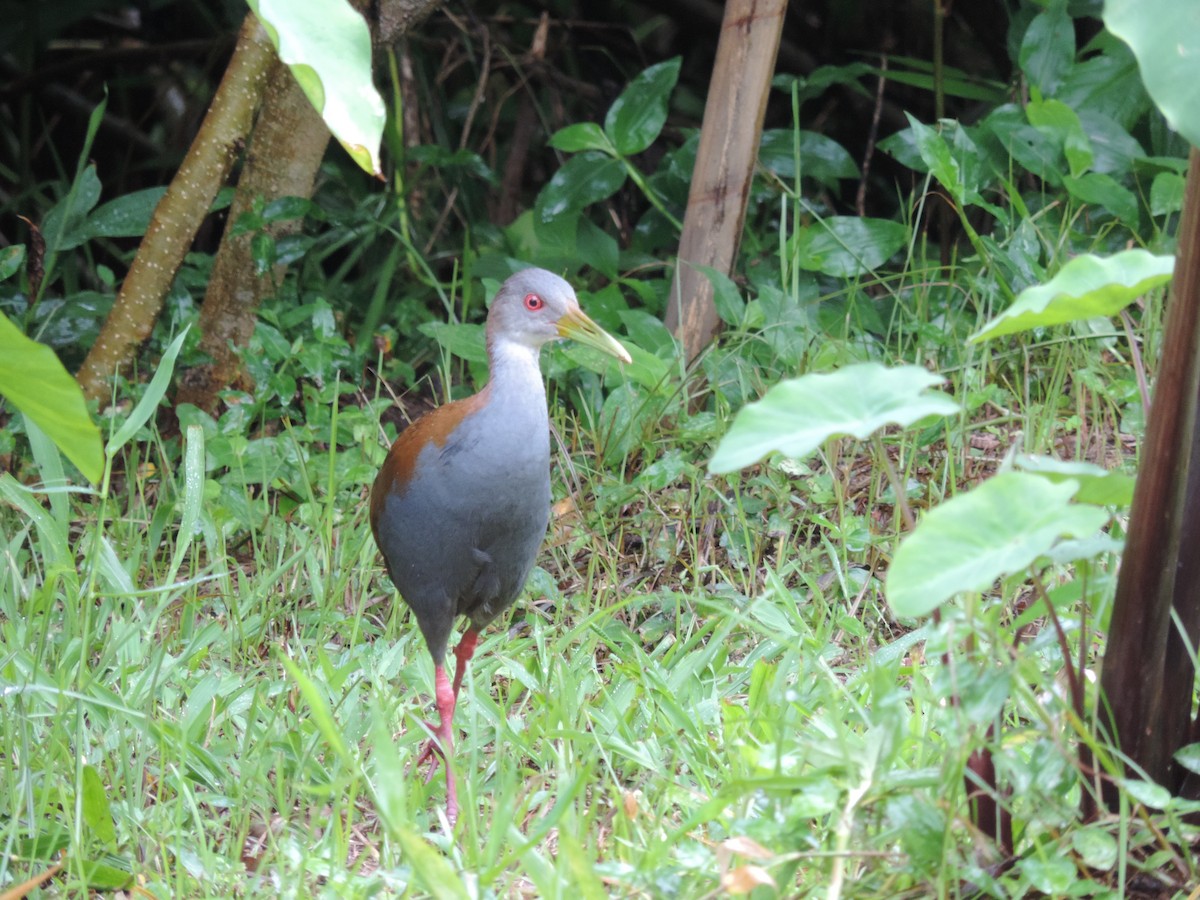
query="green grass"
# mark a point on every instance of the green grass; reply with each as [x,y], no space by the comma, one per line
[713,692]
[206,682]
[209,689]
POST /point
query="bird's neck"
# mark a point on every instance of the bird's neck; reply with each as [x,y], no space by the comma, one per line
[515,376]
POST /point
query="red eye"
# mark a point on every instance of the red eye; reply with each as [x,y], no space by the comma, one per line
[533,302]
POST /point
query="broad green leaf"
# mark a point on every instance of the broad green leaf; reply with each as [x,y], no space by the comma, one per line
[1056,116]
[895,651]
[1096,847]
[97,812]
[1107,83]
[10,260]
[935,153]
[61,223]
[1048,48]
[647,370]
[1086,287]
[1147,793]
[726,296]
[48,840]
[848,246]
[598,247]
[107,872]
[553,244]
[583,180]
[1189,757]
[1166,194]
[462,339]
[147,406]
[950,153]
[1037,152]
[795,417]
[975,168]
[821,158]
[582,136]
[1097,485]
[1073,550]
[261,461]
[286,209]
[1104,191]
[65,224]
[1165,38]
[1114,150]
[327,46]
[35,382]
[127,216]
[622,417]
[637,116]
[1049,875]
[647,331]
[994,530]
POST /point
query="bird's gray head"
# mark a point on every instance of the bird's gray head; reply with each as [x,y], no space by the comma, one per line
[529,306]
[535,306]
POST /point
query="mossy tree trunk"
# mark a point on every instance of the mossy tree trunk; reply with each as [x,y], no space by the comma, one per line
[286,147]
[180,212]
[285,152]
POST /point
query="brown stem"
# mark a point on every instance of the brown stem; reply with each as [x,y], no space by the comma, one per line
[288,144]
[1147,676]
[181,211]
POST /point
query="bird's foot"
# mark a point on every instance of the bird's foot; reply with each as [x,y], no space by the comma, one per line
[431,752]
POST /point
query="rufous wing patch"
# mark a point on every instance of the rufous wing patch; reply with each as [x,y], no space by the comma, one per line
[400,465]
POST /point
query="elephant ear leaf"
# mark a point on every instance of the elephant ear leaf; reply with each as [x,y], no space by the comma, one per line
[327,46]
[1168,55]
[797,416]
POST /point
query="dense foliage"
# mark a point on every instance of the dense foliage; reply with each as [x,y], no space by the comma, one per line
[206,688]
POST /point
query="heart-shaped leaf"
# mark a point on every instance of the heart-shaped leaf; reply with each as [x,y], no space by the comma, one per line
[997,529]
[327,46]
[795,417]
[1086,287]
[1164,39]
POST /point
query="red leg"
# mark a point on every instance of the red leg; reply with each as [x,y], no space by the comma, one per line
[442,744]
[463,653]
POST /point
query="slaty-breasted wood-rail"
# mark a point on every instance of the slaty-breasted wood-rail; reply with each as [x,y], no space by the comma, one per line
[461,505]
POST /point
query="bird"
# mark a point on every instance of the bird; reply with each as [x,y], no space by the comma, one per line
[460,506]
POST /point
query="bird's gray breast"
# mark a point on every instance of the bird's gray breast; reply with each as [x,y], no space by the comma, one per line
[501,463]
